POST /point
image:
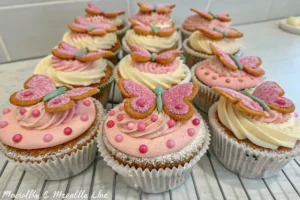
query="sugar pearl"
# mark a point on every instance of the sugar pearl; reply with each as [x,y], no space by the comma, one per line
[48,137]
[28,93]
[17,138]
[141,126]
[130,125]
[170,143]
[84,117]
[171,123]
[110,123]
[178,107]
[196,122]
[120,117]
[296,114]
[68,131]
[22,111]
[3,124]
[35,113]
[86,102]
[112,113]
[191,132]
[121,108]
[143,148]
[140,102]
[154,118]
[119,138]
[57,101]
[280,102]
[5,111]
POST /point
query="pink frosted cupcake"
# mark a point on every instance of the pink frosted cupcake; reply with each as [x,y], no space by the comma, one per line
[224,70]
[203,18]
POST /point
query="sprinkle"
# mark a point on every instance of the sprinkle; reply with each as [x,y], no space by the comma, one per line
[280,102]
[143,148]
[110,123]
[3,124]
[68,131]
[241,80]
[112,113]
[120,117]
[196,121]
[214,77]
[141,126]
[119,138]
[22,111]
[35,113]
[227,80]
[17,138]
[171,123]
[5,111]
[57,101]
[154,118]
[84,117]
[130,125]
[87,102]
[191,132]
[48,137]
[170,143]
[206,73]
[140,102]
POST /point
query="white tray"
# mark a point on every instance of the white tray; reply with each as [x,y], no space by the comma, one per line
[286,27]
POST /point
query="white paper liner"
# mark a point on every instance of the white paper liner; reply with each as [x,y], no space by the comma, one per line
[193,57]
[154,181]
[57,168]
[126,49]
[233,154]
[121,33]
[184,33]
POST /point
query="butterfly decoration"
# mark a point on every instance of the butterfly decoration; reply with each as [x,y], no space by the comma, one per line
[250,64]
[142,29]
[223,17]
[140,54]
[93,10]
[267,96]
[218,33]
[94,29]
[40,88]
[159,8]
[141,102]
[68,52]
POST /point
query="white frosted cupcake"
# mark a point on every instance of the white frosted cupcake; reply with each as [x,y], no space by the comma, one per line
[255,135]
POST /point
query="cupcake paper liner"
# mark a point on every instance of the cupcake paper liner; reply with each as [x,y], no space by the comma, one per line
[57,168]
[126,49]
[115,58]
[242,159]
[184,33]
[121,33]
[193,57]
[154,181]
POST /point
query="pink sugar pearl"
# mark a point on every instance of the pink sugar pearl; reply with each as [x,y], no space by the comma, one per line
[17,138]
[280,102]
[35,113]
[112,113]
[178,107]
[48,137]
[170,143]
[23,111]
[110,123]
[296,114]
[119,138]
[120,117]
[171,123]
[28,93]
[84,117]
[154,118]
[5,111]
[121,108]
[3,124]
[143,148]
[140,102]
[68,131]
[87,102]
[130,125]
[57,101]
[196,121]
[191,132]
[141,126]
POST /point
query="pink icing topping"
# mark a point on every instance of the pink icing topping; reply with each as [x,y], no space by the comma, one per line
[273,117]
[70,65]
[155,68]
[192,22]
[152,19]
[5,111]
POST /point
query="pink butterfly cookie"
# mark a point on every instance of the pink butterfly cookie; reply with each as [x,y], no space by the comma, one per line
[160,8]
[41,88]
[140,54]
[92,10]
[153,30]
[68,52]
[224,17]
[273,95]
[250,64]
[141,102]
[218,33]
[99,29]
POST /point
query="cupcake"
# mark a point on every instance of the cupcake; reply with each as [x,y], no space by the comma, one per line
[224,70]
[254,135]
[74,68]
[96,15]
[204,19]
[50,132]
[152,70]
[153,139]
[197,46]
[95,36]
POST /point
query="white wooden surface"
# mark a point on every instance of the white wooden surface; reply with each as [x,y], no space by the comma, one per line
[280,52]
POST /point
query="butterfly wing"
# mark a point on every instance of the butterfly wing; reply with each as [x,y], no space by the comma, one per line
[78,28]
[176,101]
[143,30]
[92,9]
[139,54]
[145,7]
[230,32]
[65,51]
[94,55]
[224,17]
[167,57]
[78,94]
[59,104]
[113,14]
[203,14]
[251,65]
[164,8]
[141,101]
[166,31]
[224,58]
[210,33]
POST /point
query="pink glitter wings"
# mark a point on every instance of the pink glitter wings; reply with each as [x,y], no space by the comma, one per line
[41,88]
[224,17]
[90,28]
[92,10]
[159,8]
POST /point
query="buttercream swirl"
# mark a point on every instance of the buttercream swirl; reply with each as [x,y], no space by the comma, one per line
[81,78]
[199,42]
[268,135]
[70,65]
[192,22]
[155,68]
[83,40]
[154,19]
[128,71]
[152,43]
[117,21]
[46,119]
